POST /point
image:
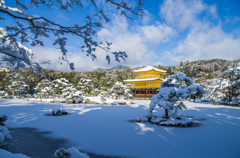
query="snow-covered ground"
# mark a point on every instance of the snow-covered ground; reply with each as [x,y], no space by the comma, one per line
[112,130]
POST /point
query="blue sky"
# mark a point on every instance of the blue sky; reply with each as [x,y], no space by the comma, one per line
[170,31]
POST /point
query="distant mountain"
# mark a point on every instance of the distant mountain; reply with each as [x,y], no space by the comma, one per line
[119,67]
[98,69]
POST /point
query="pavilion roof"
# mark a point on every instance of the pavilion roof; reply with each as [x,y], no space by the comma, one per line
[149,68]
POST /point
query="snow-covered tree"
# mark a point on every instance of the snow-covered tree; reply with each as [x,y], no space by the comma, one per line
[234,84]
[197,69]
[171,93]
[85,85]
[19,88]
[33,29]
[4,78]
[44,89]
[119,90]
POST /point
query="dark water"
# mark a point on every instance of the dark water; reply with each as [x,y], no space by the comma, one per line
[38,144]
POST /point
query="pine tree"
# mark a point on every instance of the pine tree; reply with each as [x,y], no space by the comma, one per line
[170,95]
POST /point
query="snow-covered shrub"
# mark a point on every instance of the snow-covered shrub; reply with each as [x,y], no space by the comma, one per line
[119,90]
[96,92]
[59,112]
[128,96]
[85,85]
[235,101]
[3,118]
[4,132]
[19,88]
[115,103]
[62,87]
[78,99]
[69,153]
[171,93]
[3,94]
[216,90]
[28,95]
[103,96]
[205,100]
[88,101]
[74,97]
[44,89]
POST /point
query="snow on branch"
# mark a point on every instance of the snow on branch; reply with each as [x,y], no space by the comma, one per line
[172,91]
[32,29]
[15,10]
[15,54]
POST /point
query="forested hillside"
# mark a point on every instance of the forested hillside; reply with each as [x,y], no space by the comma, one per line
[213,75]
[208,69]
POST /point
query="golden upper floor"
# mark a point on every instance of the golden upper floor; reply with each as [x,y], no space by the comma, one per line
[149,72]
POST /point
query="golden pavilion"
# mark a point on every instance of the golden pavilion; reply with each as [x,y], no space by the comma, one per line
[147,82]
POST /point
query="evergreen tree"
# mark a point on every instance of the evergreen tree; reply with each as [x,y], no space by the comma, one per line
[170,95]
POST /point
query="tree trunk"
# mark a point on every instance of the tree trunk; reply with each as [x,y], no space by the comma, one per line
[230,94]
[166,113]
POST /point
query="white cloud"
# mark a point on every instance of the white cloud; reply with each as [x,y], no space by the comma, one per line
[212,11]
[202,39]
[135,39]
[147,17]
[181,13]
[80,60]
[124,40]
[205,39]
[207,44]
[156,33]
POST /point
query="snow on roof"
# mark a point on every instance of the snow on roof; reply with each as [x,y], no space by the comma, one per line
[149,68]
[144,79]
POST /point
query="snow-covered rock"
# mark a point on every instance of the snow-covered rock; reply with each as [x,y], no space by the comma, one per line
[4,134]
[69,153]
[7,154]
[59,111]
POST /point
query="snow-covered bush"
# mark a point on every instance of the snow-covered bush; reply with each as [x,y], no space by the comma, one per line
[73,96]
[171,93]
[19,88]
[119,90]
[44,89]
[85,85]
[216,90]
[3,118]
[103,96]
[4,132]
[88,101]
[59,112]
[3,94]
[69,153]
[59,85]
[96,92]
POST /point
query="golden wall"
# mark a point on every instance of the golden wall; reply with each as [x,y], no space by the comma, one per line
[146,84]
